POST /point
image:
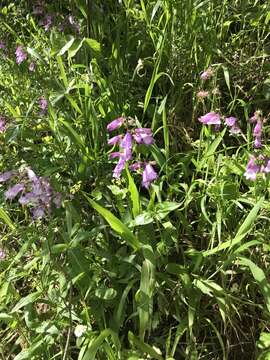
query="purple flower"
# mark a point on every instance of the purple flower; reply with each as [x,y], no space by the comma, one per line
[210,118]
[257,142]
[252,169]
[257,131]
[114,140]
[230,121]
[148,176]
[20,55]
[143,136]
[6,176]
[28,198]
[114,155]
[266,169]
[31,175]
[2,124]
[115,124]
[119,168]
[13,191]
[136,166]
[2,254]
[235,130]
[205,75]
[43,104]
[256,116]
[32,66]
[38,212]
[2,45]
[126,145]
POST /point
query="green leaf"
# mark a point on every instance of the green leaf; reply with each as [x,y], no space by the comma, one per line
[244,229]
[66,46]
[259,277]
[134,195]
[26,300]
[97,343]
[145,295]
[4,216]
[143,347]
[105,293]
[163,209]
[93,44]
[116,224]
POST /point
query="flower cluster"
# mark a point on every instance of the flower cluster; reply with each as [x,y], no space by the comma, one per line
[34,191]
[257,164]
[125,143]
[213,118]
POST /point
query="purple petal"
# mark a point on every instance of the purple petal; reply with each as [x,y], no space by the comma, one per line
[210,118]
[114,155]
[6,175]
[115,124]
[258,142]
[38,212]
[13,191]
[20,55]
[257,131]
[148,176]
[230,121]
[252,169]
[143,136]
[136,166]
[28,198]
[119,168]
[115,140]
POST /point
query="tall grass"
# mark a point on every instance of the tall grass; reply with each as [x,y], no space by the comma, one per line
[120,272]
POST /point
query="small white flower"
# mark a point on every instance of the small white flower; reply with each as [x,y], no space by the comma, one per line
[79,330]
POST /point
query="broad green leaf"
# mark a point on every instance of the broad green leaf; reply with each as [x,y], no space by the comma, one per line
[67,46]
[161,210]
[116,224]
[26,300]
[93,44]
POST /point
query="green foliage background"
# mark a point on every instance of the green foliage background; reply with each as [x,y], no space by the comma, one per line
[181,271]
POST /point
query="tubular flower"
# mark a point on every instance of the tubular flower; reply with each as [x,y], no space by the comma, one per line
[143,136]
[115,140]
[115,124]
[13,191]
[211,118]
[20,55]
[2,124]
[252,169]
[148,176]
